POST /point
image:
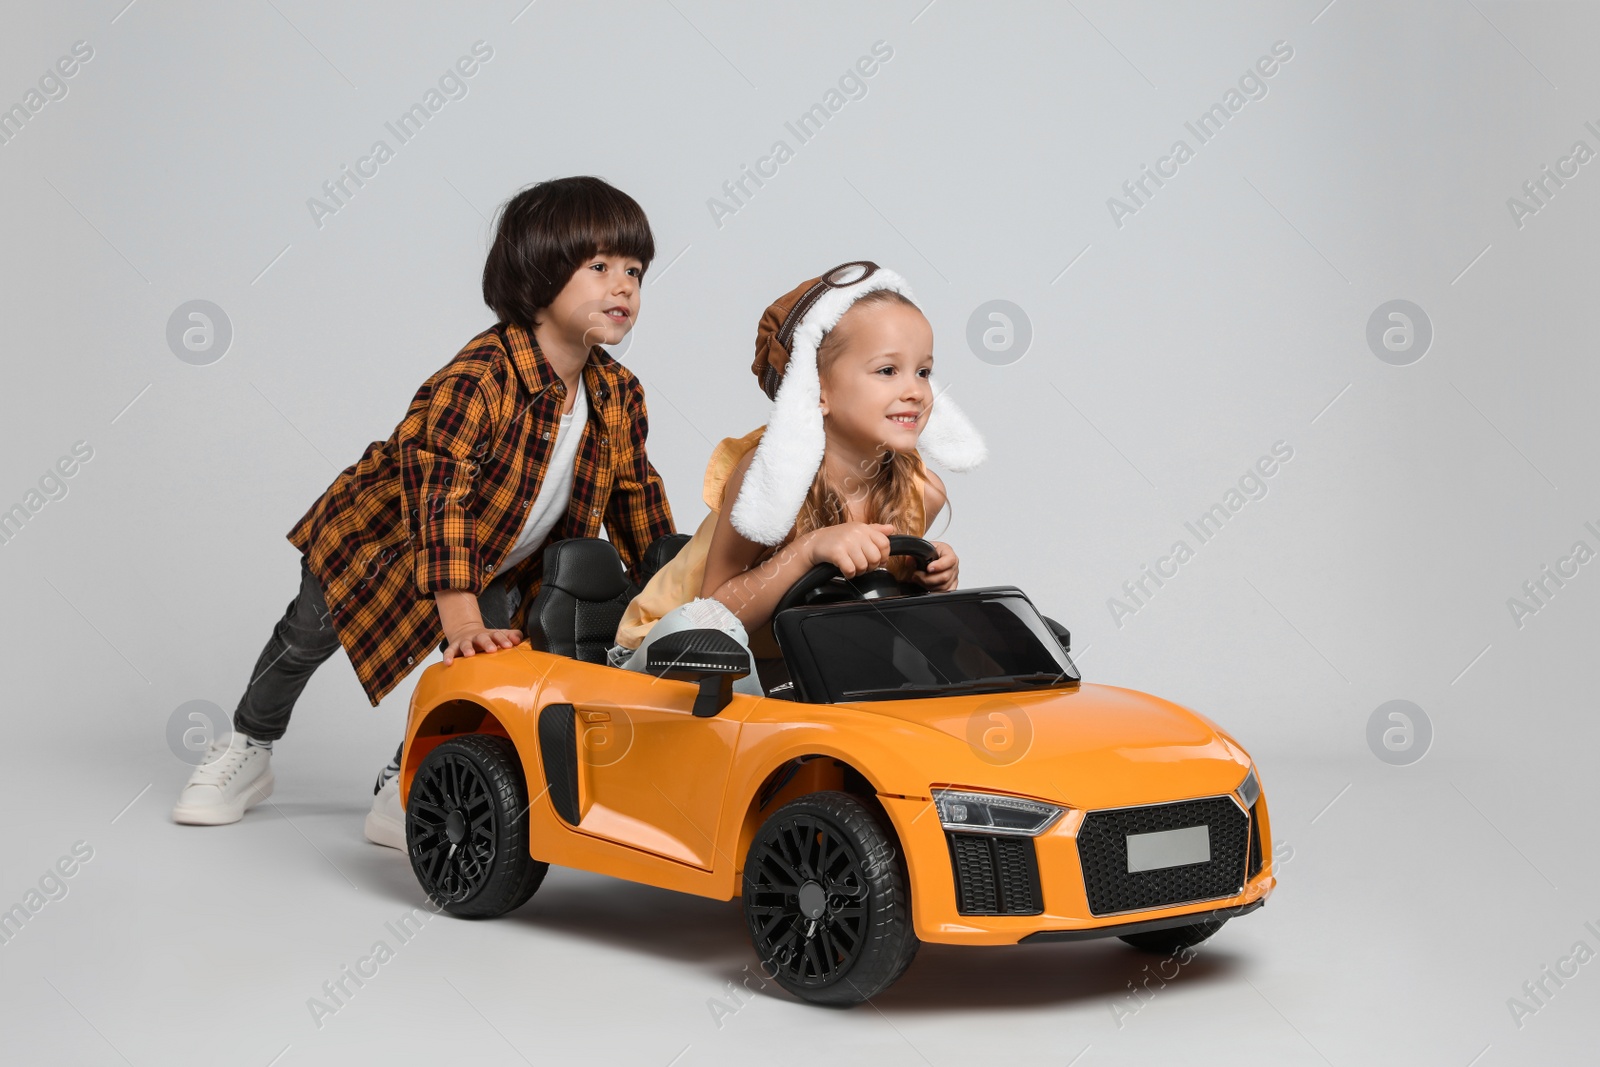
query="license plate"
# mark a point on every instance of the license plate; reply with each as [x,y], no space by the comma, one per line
[1168,848]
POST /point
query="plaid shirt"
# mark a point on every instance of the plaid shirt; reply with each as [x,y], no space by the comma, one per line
[441,502]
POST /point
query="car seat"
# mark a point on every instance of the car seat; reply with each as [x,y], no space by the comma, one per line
[659,554]
[581,599]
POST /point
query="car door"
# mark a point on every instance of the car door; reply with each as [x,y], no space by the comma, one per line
[648,774]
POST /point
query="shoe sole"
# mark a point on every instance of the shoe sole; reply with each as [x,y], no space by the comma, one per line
[223,814]
[382,830]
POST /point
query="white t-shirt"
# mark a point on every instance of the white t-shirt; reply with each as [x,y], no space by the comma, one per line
[555,492]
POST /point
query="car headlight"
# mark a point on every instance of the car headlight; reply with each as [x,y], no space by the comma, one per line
[989,813]
[1250,789]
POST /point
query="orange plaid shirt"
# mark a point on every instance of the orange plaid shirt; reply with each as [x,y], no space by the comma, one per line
[441,502]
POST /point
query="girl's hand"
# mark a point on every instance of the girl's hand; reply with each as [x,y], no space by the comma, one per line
[853,547]
[940,576]
[471,639]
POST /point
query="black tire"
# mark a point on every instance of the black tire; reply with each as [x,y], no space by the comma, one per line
[467,828]
[1175,939]
[826,900]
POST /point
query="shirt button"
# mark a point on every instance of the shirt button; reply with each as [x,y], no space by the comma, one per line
[489,569]
[525,503]
[547,435]
[409,661]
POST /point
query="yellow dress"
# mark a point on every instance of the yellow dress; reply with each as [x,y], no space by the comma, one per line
[679,581]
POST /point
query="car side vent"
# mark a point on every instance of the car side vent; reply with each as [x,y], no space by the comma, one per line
[558,752]
[1255,841]
[995,875]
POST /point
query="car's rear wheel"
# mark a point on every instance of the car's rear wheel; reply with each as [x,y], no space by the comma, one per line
[1175,939]
[826,899]
[467,828]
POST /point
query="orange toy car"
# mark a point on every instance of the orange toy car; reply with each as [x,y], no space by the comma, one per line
[923,767]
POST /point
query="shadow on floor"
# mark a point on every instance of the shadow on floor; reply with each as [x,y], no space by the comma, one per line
[710,936]
[953,977]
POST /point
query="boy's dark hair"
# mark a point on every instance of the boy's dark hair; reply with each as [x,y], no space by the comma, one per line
[545,233]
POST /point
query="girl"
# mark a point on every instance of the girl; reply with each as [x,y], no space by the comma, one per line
[848,361]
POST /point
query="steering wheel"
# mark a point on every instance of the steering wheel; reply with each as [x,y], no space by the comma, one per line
[824,579]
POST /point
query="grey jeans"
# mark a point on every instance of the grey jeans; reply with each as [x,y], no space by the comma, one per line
[303,640]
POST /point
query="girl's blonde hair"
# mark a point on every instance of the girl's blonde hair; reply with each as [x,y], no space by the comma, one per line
[893,496]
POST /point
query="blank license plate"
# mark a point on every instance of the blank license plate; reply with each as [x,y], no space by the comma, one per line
[1169,848]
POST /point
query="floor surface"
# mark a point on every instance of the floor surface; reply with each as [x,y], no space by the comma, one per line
[1401,927]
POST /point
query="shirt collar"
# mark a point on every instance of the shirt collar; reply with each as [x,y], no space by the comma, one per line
[537,375]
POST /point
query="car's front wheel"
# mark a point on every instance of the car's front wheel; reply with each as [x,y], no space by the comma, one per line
[467,828]
[826,899]
[1174,939]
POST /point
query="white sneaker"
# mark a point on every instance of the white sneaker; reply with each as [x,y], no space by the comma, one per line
[235,777]
[386,822]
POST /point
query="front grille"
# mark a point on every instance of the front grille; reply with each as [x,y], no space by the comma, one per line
[1103,852]
[995,875]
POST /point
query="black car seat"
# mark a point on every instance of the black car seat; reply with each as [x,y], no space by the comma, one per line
[580,600]
[660,552]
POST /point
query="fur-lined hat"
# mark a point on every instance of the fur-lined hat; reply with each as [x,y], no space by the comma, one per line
[791,449]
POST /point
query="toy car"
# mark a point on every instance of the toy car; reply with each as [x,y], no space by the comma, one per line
[923,767]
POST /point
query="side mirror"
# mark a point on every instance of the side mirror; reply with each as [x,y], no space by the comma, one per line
[1062,635]
[709,657]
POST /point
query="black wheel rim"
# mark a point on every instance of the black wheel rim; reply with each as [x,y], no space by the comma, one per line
[451,825]
[806,900]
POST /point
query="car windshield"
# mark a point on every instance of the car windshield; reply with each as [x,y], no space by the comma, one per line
[900,648]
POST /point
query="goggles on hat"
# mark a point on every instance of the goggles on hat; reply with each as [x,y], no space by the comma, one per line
[840,277]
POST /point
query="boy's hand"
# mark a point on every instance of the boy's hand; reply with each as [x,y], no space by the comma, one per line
[472,639]
[853,547]
[464,631]
[940,576]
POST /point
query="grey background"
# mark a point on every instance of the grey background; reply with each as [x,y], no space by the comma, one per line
[1229,313]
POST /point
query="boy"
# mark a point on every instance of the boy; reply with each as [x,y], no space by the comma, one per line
[531,433]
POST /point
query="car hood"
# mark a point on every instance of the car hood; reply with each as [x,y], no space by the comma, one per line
[1094,746]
